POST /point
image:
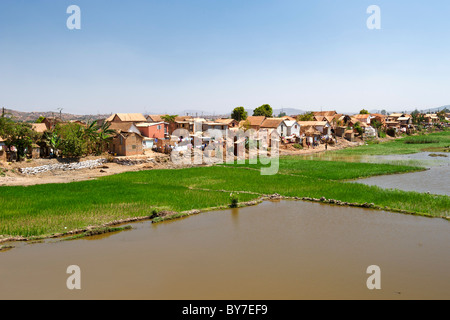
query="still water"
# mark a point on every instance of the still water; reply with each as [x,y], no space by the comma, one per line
[276,250]
[435,180]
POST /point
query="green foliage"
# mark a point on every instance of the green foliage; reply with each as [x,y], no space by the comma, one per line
[73,142]
[358,128]
[417,117]
[363,111]
[391,132]
[376,124]
[17,134]
[239,114]
[264,110]
[308,116]
[234,200]
[40,119]
[169,118]
[297,146]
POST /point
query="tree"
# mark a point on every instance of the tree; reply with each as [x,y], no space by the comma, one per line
[264,110]
[358,128]
[169,118]
[104,135]
[417,117]
[73,143]
[17,134]
[376,124]
[364,111]
[383,112]
[40,119]
[239,114]
[441,115]
[52,139]
[281,114]
[308,116]
[90,135]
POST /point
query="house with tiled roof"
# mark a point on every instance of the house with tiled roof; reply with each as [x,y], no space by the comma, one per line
[252,122]
[126,117]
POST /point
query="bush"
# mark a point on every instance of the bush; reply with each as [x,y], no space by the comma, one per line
[234,199]
[391,132]
[297,146]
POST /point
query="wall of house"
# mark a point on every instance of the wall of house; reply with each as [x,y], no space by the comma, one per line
[129,146]
[293,130]
[2,153]
[153,131]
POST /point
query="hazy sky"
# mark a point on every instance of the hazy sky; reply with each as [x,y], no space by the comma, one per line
[213,55]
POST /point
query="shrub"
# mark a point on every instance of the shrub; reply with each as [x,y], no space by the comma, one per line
[234,199]
[391,132]
[297,146]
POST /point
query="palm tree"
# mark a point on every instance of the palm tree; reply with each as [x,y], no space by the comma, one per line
[52,140]
[104,135]
[90,134]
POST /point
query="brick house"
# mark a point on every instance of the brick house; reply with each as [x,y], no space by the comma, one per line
[128,140]
[127,144]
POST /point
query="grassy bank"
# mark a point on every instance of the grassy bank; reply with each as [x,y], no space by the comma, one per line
[55,208]
[436,141]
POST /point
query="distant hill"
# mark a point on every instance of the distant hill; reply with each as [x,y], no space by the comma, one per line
[34,115]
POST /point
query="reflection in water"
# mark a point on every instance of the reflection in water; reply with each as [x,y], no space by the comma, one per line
[235,216]
[276,250]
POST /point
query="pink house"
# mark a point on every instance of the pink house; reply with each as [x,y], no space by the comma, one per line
[157,130]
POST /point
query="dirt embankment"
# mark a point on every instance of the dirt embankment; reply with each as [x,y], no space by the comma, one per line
[10,173]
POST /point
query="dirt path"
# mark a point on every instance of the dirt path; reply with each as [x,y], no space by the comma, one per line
[10,173]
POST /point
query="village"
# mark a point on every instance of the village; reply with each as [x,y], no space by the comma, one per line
[134,135]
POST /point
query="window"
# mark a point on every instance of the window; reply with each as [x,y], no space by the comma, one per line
[133,146]
[158,127]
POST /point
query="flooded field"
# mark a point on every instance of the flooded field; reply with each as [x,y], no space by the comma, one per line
[276,250]
[435,180]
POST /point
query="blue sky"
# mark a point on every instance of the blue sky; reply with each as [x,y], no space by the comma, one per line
[213,55]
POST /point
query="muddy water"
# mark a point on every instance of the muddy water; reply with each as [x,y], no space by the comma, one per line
[276,250]
[434,180]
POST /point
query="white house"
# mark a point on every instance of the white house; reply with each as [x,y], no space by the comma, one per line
[293,128]
[277,124]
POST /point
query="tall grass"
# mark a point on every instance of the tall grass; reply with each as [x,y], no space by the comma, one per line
[407,145]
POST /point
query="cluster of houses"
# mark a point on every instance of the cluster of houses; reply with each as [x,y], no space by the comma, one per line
[135,133]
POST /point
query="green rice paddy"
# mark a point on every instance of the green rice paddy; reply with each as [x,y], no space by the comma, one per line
[57,208]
